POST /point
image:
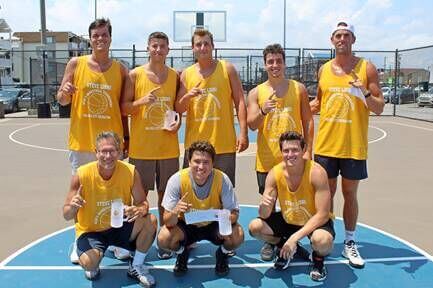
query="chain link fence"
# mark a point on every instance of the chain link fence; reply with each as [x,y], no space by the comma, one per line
[404,75]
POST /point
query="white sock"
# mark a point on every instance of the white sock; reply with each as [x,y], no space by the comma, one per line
[224,250]
[350,235]
[180,250]
[138,258]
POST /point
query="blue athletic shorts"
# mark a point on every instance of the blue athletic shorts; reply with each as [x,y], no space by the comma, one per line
[351,169]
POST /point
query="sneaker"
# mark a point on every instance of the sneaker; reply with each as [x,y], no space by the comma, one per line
[164,254]
[222,263]
[281,263]
[181,266]
[120,253]
[351,252]
[142,274]
[317,268]
[267,253]
[192,245]
[92,274]
[74,255]
[231,253]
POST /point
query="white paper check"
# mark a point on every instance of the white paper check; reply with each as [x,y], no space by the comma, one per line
[201,216]
[358,93]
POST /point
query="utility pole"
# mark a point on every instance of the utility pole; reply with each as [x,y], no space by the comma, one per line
[43,44]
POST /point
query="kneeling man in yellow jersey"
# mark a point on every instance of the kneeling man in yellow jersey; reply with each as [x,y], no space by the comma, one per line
[301,187]
[92,193]
[200,187]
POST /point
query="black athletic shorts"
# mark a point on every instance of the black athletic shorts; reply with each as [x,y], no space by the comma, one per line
[282,229]
[118,237]
[194,233]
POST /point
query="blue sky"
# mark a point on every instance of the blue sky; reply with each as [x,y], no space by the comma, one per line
[380,25]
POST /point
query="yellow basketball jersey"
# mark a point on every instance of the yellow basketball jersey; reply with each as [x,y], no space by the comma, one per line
[210,116]
[95,105]
[148,139]
[98,193]
[297,207]
[343,127]
[213,201]
[285,117]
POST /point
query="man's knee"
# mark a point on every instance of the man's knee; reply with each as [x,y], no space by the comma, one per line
[168,237]
[255,227]
[237,237]
[148,224]
[322,242]
[90,259]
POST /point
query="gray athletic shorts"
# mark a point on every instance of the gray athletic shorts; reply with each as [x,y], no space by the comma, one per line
[225,162]
[78,158]
[159,170]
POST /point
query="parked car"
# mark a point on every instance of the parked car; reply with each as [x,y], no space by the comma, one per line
[10,98]
[403,95]
[386,91]
[426,98]
[37,95]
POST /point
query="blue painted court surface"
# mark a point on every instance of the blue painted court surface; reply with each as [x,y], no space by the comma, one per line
[390,262]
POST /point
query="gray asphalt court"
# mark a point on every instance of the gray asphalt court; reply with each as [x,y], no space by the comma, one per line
[35,175]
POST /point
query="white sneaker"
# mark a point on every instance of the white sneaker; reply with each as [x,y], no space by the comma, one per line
[92,274]
[120,253]
[142,274]
[351,252]
[74,254]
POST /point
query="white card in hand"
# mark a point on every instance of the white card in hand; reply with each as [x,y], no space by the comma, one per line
[170,118]
[201,216]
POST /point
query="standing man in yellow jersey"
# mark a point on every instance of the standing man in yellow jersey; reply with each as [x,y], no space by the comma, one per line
[274,107]
[302,190]
[208,90]
[348,90]
[94,86]
[92,191]
[154,148]
[199,187]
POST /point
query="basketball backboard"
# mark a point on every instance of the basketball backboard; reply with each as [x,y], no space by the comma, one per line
[185,22]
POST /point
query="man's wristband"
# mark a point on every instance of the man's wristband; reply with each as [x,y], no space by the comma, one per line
[368,94]
[262,112]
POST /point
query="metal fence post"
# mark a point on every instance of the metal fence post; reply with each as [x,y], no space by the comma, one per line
[396,72]
[133,56]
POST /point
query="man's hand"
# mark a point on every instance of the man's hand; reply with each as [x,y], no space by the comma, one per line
[149,98]
[182,206]
[77,201]
[68,90]
[242,143]
[134,212]
[195,91]
[270,104]
[289,249]
[268,201]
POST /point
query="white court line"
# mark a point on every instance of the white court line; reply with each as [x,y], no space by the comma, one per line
[11,137]
[407,125]
[384,134]
[30,245]
[245,154]
[210,266]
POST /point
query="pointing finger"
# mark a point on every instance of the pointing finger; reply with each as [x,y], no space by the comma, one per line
[79,191]
[154,89]
[198,84]
[272,95]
